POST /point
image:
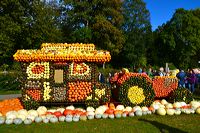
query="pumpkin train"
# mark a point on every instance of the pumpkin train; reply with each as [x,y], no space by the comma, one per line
[64,73]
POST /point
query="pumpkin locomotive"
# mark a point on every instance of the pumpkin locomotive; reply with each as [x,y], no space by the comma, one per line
[67,74]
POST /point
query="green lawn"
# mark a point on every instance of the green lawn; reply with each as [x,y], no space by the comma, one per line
[149,124]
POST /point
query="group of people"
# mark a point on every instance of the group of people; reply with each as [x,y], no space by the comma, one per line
[189,79]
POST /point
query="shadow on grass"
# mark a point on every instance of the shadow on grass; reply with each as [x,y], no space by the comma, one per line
[163,127]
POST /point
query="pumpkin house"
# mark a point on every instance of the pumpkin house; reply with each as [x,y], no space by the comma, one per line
[62,73]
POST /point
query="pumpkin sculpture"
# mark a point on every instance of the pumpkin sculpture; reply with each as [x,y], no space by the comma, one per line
[67,73]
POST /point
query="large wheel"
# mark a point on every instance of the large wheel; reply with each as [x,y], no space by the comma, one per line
[137,90]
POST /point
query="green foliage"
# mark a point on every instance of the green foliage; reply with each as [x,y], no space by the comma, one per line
[181,94]
[94,21]
[137,29]
[179,39]
[10,81]
[26,24]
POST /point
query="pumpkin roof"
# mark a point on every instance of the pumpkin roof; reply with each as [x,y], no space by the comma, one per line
[62,52]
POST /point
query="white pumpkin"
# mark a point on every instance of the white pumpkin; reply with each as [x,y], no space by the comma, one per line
[137,108]
[138,113]
[187,111]
[17,121]
[161,106]
[183,104]
[70,107]
[145,109]
[156,102]
[21,116]
[51,110]
[99,111]
[195,104]
[27,121]
[161,111]
[61,118]
[46,120]
[23,112]
[198,110]
[53,119]
[31,117]
[169,106]
[177,105]
[170,111]
[11,115]
[33,112]
[43,117]
[129,109]
[163,102]
[90,109]
[9,121]
[38,119]
[61,110]
[103,107]
[90,113]
[120,107]
[49,116]
[155,106]
[2,119]
[177,112]
[42,110]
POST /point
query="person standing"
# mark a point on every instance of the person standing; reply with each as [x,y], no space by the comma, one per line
[150,73]
[101,78]
[191,80]
[181,77]
[161,73]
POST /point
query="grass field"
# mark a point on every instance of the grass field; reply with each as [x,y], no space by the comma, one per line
[143,124]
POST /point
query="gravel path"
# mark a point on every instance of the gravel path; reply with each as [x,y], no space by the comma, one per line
[10,96]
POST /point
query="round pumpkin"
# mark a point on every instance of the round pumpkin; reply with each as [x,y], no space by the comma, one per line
[170,111]
[17,121]
[2,120]
[42,110]
[161,111]
[198,110]
[138,113]
[27,121]
[45,120]
[105,116]
[120,107]
[9,121]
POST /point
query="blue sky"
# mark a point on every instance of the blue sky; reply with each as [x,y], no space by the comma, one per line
[162,10]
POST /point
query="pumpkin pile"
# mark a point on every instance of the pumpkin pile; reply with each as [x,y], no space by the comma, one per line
[111,111]
[63,53]
[10,104]
[164,85]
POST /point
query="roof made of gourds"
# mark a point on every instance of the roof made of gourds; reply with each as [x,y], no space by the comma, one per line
[63,52]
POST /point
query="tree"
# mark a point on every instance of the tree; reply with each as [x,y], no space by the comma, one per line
[179,39]
[96,21]
[25,25]
[137,29]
